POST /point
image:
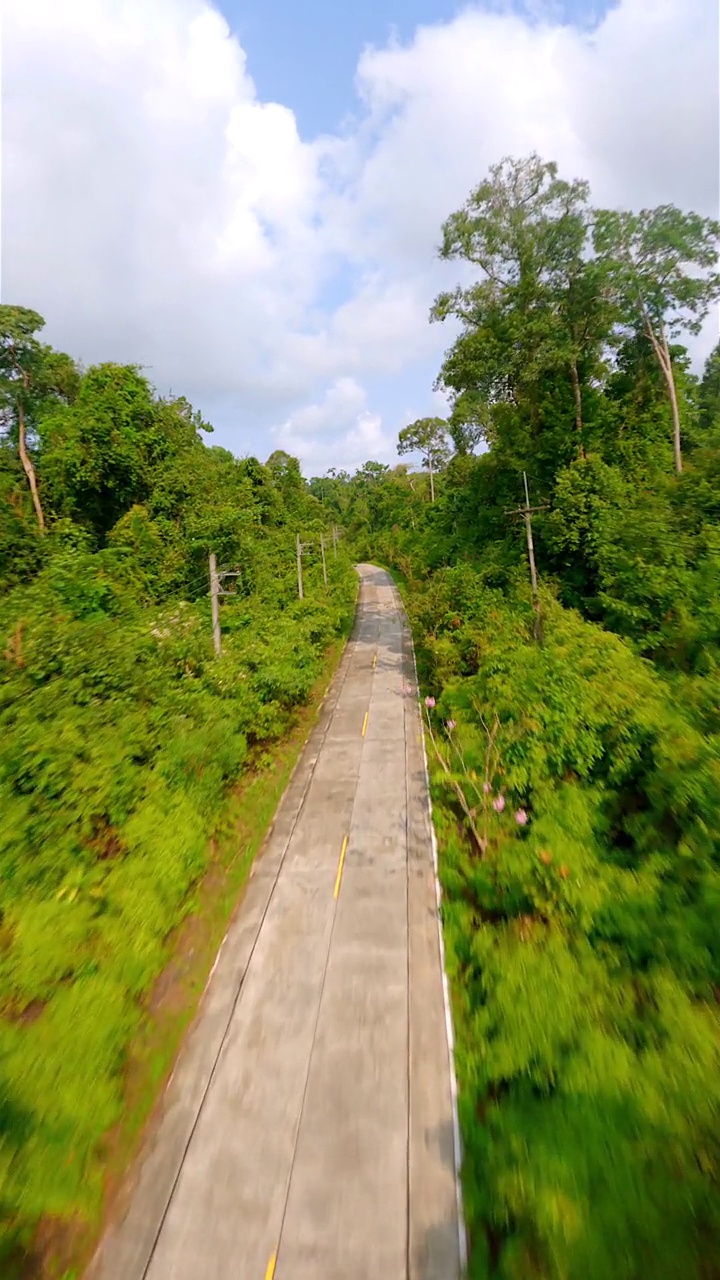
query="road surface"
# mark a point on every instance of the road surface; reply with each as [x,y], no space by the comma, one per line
[308,1130]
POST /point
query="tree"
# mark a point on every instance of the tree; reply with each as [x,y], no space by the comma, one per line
[467,424]
[284,470]
[287,480]
[427,436]
[332,491]
[264,492]
[106,452]
[30,373]
[370,473]
[660,264]
[539,307]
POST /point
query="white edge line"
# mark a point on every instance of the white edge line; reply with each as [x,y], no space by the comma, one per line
[457,1141]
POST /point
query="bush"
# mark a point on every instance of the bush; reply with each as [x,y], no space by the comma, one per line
[582,895]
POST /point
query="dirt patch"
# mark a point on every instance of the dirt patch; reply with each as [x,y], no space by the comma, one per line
[32,1012]
[105,842]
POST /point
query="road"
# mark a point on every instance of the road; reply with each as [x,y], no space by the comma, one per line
[308,1130]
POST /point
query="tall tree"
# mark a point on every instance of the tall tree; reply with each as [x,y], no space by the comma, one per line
[428,436]
[30,373]
[538,308]
[661,266]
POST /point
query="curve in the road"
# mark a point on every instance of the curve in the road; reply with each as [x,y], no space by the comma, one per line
[309,1129]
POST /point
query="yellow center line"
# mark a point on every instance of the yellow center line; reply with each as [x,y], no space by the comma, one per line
[367,713]
[336,891]
[374,660]
[270,1270]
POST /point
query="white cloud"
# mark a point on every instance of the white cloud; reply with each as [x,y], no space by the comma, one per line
[155,210]
[645,98]
[338,426]
[631,106]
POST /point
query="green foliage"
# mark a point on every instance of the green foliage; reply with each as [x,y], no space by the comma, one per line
[100,454]
[427,436]
[581,940]
[122,734]
[576,775]
[21,547]
[662,264]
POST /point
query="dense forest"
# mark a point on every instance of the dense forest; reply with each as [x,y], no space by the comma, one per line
[573,724]
[574,732]
[122,735]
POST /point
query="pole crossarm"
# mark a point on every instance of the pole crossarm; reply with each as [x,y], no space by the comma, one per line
[227,573]
[526,511]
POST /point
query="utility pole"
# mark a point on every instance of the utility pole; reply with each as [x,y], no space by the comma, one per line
[214,596]
[528,533]
[322,552]
[527,513]
[299,566]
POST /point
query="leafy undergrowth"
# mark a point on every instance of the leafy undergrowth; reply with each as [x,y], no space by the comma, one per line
[577,807]
[121,738]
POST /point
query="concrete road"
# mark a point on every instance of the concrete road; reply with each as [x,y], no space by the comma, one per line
[308,1130]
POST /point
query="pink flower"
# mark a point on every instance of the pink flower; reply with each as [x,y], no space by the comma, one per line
[430,702]
[499,803]
[521,817]
[486,788]
[450,726]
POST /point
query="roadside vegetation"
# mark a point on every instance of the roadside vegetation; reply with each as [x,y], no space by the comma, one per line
[574,732]
[123,739]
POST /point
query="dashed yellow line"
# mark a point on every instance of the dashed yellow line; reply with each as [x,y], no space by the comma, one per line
[367,713]
[338,878]
[374,661]
[270,1269]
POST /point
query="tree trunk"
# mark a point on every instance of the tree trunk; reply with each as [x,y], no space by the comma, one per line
[662,351]
[577,396]
[672,392]
[29,469]
[432,482]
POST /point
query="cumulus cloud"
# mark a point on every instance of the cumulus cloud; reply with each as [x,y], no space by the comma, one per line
[155,210]
[338,426]
[631,105]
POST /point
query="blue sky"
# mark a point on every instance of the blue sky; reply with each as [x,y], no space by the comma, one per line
[247,199]
[304,52]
